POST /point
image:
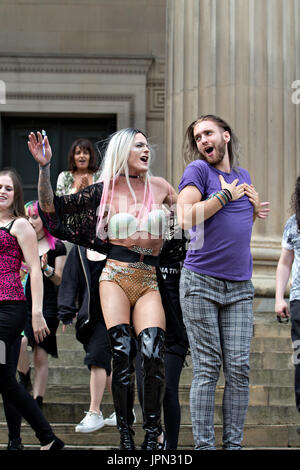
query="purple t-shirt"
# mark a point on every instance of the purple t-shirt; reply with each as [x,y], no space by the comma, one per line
[222,247]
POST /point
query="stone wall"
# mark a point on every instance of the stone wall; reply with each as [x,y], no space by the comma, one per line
[87,56]
[239,59]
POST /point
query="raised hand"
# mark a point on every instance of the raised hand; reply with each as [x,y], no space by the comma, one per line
[237,190]
[35,145]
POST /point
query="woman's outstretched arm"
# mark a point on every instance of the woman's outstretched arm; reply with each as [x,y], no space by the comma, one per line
[41,151]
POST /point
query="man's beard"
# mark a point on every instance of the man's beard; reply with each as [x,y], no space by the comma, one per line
[220,154]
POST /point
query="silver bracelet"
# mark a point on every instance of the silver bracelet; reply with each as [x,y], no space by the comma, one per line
[49,271]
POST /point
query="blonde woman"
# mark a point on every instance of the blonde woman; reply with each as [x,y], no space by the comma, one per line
[121,215]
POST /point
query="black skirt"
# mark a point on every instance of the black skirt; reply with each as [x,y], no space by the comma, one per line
[49,344]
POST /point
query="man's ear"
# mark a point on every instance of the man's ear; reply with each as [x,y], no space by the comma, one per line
[226,136]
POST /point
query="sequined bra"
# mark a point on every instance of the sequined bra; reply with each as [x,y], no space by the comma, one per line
[124,225]
[10,263]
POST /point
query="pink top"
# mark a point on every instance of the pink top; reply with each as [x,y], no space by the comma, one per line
[10,263]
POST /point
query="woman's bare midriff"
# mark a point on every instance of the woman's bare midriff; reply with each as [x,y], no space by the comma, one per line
[144,241]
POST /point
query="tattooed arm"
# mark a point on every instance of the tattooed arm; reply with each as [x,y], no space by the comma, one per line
[43,157]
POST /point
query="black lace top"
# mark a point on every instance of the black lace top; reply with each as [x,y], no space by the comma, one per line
[75,220]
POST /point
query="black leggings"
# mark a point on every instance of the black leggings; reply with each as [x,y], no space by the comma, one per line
[13,418]
[12,320]
[171,406]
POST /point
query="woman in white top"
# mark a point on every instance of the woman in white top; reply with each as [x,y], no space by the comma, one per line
[82,168]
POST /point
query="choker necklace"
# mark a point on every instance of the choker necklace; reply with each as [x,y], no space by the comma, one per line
[39,239]
[130,176]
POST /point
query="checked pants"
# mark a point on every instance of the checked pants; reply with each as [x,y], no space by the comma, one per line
[218,316]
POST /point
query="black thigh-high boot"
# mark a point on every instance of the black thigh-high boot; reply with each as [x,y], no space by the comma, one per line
[123,349]
[151,348]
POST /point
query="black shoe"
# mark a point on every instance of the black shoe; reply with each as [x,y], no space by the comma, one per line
[57,445]
[162,445]
[126,439]
[151,441]
[39,401]
[159,445]
[24,380]
[15,444]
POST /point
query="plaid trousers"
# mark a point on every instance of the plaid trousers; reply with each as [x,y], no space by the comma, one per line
[218,316]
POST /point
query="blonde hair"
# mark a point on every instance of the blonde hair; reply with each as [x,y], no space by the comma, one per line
[114,164]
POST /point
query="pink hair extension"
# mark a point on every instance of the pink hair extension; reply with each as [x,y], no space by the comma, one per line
[148,199]
[102,207]
[32,208]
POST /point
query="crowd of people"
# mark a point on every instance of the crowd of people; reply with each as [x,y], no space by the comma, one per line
[110,248]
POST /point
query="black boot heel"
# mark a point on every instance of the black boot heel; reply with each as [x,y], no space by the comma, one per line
[57,445]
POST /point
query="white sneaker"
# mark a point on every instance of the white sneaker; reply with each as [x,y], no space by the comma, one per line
[112,419]
[91,422]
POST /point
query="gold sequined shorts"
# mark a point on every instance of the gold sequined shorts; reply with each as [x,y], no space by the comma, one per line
[134,281]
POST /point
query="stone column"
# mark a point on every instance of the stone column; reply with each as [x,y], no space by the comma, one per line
[240,59]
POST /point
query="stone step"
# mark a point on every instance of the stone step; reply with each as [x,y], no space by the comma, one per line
[273,344]
[272,329]
[74,400]
[272,360]
[266,436]
[261,329]
[76,375]
[258,360]
[57,412]
[67,357]
[68,341]
[259,394]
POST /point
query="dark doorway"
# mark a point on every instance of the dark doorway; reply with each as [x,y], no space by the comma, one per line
[62,131]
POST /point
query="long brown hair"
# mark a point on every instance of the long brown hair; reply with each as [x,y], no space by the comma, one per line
[190,150]
[86,145]
[18,202]
[295,201]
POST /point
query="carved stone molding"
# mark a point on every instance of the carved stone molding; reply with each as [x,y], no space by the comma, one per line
[59,97]
[69,64]
[69,97]
[155,99]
